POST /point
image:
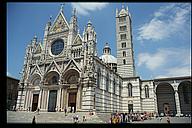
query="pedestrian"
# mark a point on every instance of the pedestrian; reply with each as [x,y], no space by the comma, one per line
[84,119]
[168,120]
[72,109]
[160,119]
[74,119]
[33,121]
[77,118]
[126,117]
[65,111]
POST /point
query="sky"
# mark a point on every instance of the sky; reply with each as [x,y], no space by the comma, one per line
[161,33]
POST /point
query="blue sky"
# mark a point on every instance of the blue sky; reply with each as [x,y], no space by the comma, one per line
[161,33]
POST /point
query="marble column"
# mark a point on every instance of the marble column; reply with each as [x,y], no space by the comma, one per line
[40,98]
[177,102]
[47,99]
[58,99]
[26,100]
[61,99]
[30,99]
[156,104]
[65,99]
[78,100]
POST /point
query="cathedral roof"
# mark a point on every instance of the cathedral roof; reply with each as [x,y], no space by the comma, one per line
[108,58]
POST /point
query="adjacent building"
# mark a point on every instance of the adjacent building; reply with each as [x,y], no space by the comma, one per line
[12,90]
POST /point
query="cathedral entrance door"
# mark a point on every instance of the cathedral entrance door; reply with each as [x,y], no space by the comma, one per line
[52,100]
[72,101]
[35,102]
[130,108]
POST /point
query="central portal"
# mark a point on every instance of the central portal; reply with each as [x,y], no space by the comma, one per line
[52,100]
[72,101]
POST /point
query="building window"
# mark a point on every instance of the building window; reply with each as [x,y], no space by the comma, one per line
[123,36]
[185,94]
[123,28]
[107,82]
[124,54]
[98,77]
[146,91]
[57,47]
[122,19]
[129,89]
[114,88]
[123,45]
[124,61]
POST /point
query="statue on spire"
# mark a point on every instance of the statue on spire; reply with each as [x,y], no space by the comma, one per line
[62,6]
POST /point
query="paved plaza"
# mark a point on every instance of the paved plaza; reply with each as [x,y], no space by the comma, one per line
[59,117]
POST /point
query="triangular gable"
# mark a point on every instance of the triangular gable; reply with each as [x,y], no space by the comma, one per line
[60,24]
[36,70]
[53,66]
[77,40]
[38,49]
[72,64]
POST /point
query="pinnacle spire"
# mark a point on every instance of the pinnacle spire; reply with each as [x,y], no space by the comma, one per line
[74,11]
[61,9]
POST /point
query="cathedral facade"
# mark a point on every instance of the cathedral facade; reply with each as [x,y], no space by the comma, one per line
[64,71]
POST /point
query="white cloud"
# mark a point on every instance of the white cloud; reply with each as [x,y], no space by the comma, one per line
[167,62]
[83,8]
[151,61]
[176,72]
[166,21]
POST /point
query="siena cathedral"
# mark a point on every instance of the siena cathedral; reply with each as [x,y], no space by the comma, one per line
[64,71]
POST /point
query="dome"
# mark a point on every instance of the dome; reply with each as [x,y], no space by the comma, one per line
[107,58]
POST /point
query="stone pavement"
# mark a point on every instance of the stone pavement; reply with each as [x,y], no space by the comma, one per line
[59,117]
[50,117]
[173,120]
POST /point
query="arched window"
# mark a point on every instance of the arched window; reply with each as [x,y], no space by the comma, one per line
[124,54]
[107,82]
[54,80]
[98,77]
[129,89]
[185,94]
[114,86]
[36,82]
[124,61]
[146,91]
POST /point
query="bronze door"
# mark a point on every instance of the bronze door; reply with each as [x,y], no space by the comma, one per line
[35,102]
[72,100]
[52,100]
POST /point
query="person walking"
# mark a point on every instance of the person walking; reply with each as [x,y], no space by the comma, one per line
[38,111]
[84,119]
[168,120]
[33,121]
[65,111]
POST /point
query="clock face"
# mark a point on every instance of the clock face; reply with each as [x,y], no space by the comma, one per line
[57,47]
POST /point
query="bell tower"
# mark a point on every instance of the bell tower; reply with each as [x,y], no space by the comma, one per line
[125,57]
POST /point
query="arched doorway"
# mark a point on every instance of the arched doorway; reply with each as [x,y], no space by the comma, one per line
[35,81]
[184,90]
[165,99]
[52,79]
[71,78]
